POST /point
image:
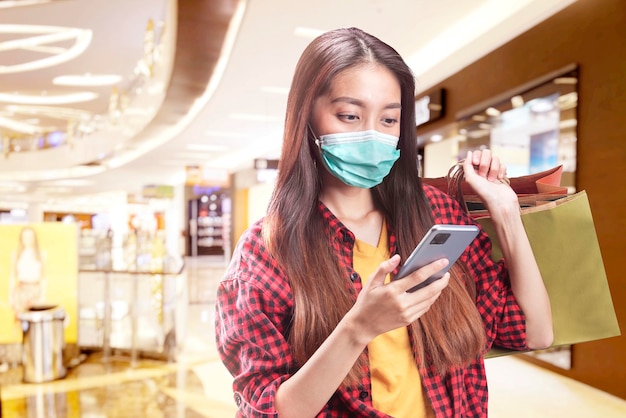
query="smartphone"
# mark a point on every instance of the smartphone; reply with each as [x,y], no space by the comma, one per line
[441,241]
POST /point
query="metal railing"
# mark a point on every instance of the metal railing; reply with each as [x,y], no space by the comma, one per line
[157,298]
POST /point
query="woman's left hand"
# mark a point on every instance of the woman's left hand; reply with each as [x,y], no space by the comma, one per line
[487,176]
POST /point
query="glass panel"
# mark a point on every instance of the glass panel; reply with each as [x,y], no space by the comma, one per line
[531,128]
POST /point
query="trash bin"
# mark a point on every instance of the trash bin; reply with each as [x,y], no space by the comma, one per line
[43,343]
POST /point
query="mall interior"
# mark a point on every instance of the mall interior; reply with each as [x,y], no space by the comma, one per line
[140,139]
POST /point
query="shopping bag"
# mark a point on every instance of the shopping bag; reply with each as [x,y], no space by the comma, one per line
[562,235]
[531,190]
[564,242]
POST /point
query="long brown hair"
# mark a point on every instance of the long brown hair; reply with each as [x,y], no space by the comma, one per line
[451,333]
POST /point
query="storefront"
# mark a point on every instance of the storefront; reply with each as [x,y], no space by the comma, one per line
[589,35]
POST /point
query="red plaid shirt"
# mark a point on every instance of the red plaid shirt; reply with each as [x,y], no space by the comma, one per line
[254,303]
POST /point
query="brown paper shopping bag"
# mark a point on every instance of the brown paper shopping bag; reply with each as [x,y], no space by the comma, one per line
[564,241]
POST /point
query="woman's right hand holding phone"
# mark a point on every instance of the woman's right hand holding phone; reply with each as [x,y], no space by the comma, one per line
[382,307]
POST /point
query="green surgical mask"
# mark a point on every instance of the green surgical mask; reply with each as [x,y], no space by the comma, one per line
[360,159]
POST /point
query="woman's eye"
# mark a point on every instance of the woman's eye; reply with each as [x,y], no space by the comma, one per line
[390,121]
[348,117]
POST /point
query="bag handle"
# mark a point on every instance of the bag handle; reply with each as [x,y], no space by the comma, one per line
[455,177]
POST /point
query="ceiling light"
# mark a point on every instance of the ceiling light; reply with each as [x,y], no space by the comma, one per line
[436,138]
[138,111]
[192,155]
[87,80]
[565,80]
[517,101]
[225,134]
[492,111]
[21,127]
[568,101]
[42,175]
[53,189]
[275,90]
[568,123]
[308,33]
[47,35]
[176,163]
[253,117]
[540,106]
[480,30]
[205,147]
[5,4]
[48,99]
[70,183]
[10,186]
[50,111]
[478,133]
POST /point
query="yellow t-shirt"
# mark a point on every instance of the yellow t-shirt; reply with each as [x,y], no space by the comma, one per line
[396,383]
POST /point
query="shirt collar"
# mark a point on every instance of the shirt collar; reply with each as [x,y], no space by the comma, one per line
[334,227]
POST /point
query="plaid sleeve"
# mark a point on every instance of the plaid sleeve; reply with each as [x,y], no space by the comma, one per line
[505,324]
[251,310]
[504,320]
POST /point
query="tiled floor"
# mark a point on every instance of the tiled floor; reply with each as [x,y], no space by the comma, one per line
[197,385]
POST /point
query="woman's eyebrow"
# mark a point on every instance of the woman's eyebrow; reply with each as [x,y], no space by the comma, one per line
[350,100]
[357,102]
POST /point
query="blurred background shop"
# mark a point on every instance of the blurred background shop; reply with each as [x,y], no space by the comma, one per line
[140,138]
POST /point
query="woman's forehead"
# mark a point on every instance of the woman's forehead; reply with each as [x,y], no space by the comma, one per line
[367,82]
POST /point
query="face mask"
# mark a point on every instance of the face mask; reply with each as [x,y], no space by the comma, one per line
[360,159]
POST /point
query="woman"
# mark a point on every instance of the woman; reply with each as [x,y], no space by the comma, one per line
[27,279]
[308,321]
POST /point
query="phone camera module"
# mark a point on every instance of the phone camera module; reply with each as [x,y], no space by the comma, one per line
[440,238]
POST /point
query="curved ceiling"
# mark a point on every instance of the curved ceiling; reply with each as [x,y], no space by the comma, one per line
[221,70]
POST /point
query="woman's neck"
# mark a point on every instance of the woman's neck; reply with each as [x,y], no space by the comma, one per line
[355,208]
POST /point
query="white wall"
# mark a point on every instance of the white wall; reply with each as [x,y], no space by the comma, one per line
[439,157]
[258,198]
